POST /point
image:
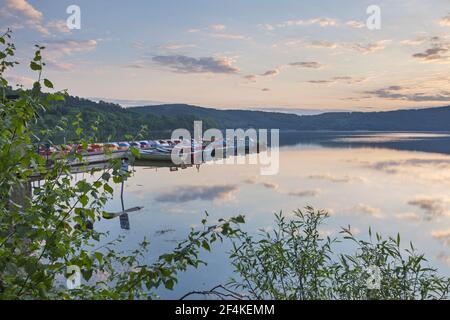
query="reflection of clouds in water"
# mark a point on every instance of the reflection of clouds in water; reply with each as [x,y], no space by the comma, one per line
[276,187]
[164,231]
[205,193]
[336,179]
[270,185]
[305,193]
[251,180]
[140,194]
[267,184]
[444,257]
[442,236]
[394,166]
[432,206]
[409,216]
[364,209]
[326,232]
[392,137]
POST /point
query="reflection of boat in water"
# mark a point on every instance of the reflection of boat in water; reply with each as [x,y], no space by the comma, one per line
[112,215]
[155,155]
[167,154]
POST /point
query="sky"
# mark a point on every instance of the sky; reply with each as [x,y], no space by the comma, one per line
[284,55]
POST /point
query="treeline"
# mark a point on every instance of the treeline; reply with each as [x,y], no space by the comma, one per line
[106,121]
[114,123]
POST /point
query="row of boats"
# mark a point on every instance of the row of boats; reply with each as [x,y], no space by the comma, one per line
[157,150]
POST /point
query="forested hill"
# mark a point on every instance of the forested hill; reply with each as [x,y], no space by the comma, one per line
[225,118]
[115,122]
[428,119]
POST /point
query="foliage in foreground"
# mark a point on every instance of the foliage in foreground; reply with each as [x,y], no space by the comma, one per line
[45,230]
[295,261]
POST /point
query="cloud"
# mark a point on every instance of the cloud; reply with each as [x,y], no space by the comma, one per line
[135,65]
[177,46]
[25,9]
[437,53]
[204,193]
[306,64]
[369,47]
[364,48]
[416,41]
[396,92]
[322,22]
[336,179]
[229,36]
[432,206]
[59,65]
[23,14]
[319,21]
[271,73]
[59,26]
[340,79]
[185,64]
[355,24]
[323,44]
[218,31]
[139,45]
[442,235]
[305,193]
[58,50]
[29,15]
[266,27]
[276,71]
[217,27]
[445,21]
[69,46]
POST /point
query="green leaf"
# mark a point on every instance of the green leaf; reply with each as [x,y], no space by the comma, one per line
[239,219]
[206,245]
[108,188]
[84,199]
[34,66]
[48,83]
[135,152]
[169,284]
[99,256]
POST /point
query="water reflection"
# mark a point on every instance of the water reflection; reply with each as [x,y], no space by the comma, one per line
[393,185]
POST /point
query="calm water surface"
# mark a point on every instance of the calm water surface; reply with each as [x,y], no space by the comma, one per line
[393,182]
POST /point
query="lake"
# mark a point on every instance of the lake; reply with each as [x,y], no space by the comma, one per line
[392,182]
